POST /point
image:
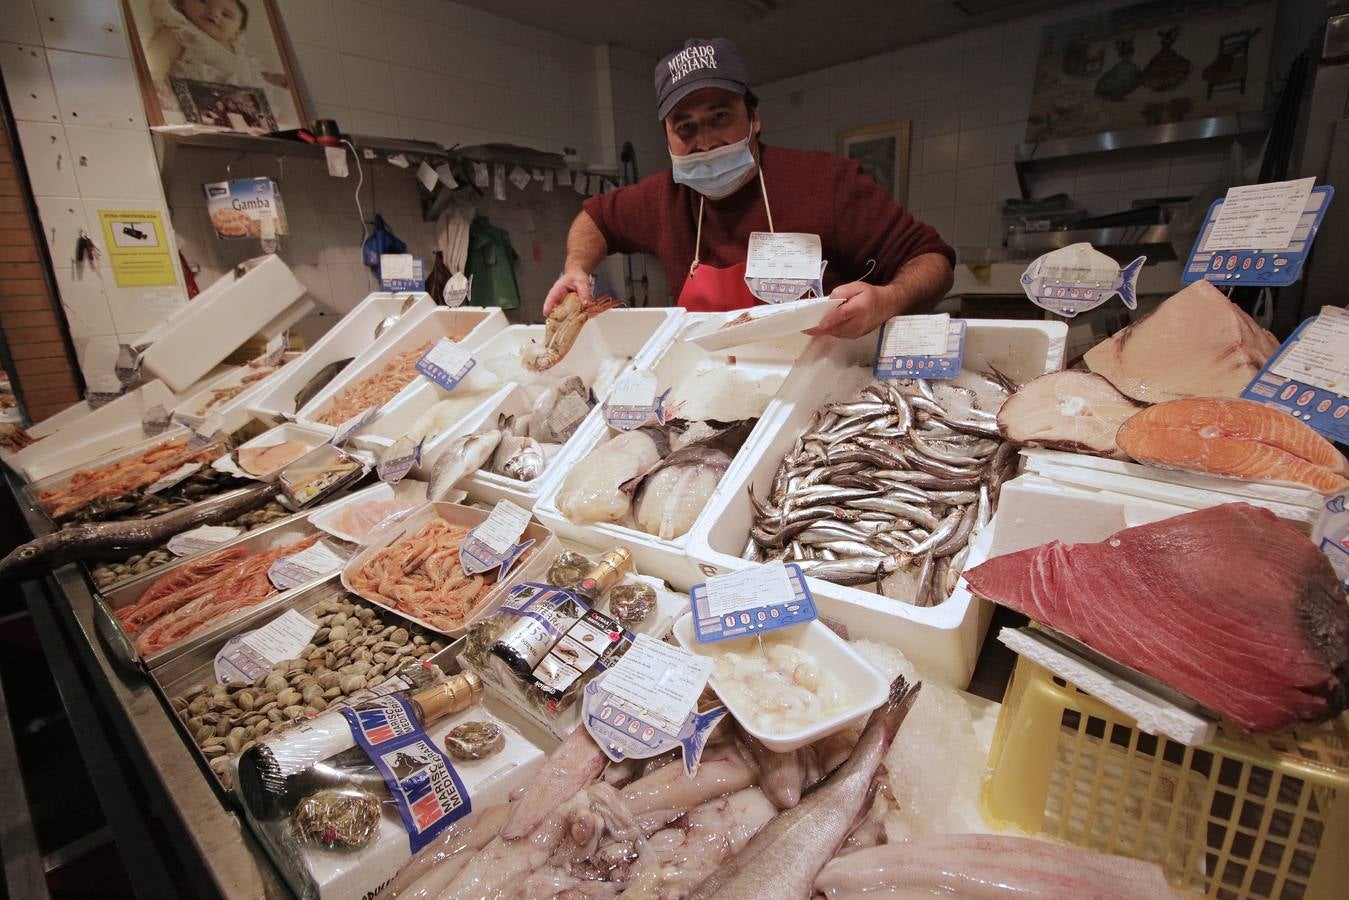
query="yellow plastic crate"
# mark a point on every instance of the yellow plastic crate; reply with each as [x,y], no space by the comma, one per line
[1246,816]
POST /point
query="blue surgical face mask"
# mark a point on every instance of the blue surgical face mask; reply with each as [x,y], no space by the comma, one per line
[715,173]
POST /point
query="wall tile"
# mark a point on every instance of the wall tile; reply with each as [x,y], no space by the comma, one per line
[86,26]
[972,225]
[978,109]
[321,73]
[136,310]
[361,29]
[373,123]
[975,186]
[84,303]
[941,116]
[978,147]
[96,91]
[18,22]
[28,83]
[46,153]
[934,191]
[309,22]
[369,84]
[110,162]
[941,153]
[62,219]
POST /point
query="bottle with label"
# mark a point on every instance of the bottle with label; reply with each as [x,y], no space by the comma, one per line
[275,774]
[606,573]
[542,618]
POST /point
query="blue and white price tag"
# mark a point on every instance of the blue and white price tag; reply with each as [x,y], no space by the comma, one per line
[492,544]
[1259,235]
[633,401]
[1331,534]
[446,363]
[401,272]
[1308,377]
[752,601]
[301,568]
[921,347]
[353,426]
[400,461]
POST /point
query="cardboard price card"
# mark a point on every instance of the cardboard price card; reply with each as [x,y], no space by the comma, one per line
[446,363]
[752,601]
[1308,377]
[492,545]
[929,347]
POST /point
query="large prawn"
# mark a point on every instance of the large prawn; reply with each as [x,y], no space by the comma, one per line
[564,323]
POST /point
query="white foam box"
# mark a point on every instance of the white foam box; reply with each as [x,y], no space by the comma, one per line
[310,438]
[468,326]
[352,337]
[65,418]
[187,412]
[767,362]
[218,320]
[110,428]
[1299,506]
[942,640]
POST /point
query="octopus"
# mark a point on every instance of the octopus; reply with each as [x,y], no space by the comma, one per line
[421,577]
[377,389]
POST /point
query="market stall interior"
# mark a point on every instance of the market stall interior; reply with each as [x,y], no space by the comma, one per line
[911,462]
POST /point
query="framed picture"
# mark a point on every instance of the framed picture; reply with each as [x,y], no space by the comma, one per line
[222,63]
[883,151]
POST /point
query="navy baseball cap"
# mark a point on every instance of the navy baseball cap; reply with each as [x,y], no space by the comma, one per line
[700,63]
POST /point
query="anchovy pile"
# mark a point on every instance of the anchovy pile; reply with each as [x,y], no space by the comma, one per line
[888,487]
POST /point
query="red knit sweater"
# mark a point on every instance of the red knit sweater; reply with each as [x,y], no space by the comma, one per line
[810,191]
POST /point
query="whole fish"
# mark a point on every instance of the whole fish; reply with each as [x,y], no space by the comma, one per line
[113,539]
[462,457]
[523,460]
[783,859]
[319,382]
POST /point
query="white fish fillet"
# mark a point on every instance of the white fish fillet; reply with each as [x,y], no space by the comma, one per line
[672,499]
[1069,410]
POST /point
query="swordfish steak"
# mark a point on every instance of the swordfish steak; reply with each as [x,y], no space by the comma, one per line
[1228,605]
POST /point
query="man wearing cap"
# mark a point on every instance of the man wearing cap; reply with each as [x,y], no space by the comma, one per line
[724,184]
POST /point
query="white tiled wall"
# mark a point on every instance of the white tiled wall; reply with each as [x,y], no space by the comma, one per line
[82,130]
[967,98]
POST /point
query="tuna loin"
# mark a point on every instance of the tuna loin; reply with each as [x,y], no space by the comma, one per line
[1196,344]
[1069,410]
[1228,605]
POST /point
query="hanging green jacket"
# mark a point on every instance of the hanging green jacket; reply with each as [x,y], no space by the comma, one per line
[491,262]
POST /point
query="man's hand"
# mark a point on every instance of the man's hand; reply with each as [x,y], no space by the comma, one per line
[577,282]
[865,308]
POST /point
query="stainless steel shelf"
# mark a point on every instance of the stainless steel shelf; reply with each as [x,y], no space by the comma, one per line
[1105,239]
[1229,126]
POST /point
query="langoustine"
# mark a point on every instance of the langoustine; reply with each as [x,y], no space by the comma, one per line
[122,477]
[375,390]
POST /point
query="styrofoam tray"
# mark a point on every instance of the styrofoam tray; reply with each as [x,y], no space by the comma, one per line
[768,362]
[109,428]
[352,337]
[64,419]
[765,323]
[830,651]
[218,320]
[311,438]
[325,517]
[531,563]
[187,411]
[467,326]
[1297,505]
[943,640]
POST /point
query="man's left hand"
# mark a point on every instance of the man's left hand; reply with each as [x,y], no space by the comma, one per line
[865,308]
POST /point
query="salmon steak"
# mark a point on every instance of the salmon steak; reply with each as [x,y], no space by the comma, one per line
[1228,605]
[1233,438]
[1196,344]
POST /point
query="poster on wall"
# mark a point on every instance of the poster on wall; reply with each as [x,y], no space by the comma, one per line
[245,207]
[221,63]
[1151,64]
[138,247]
[883,152]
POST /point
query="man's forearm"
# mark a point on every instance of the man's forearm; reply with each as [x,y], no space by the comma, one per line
[921,284]
[586,246]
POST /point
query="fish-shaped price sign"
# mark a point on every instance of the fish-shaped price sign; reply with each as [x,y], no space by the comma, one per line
[1079,277]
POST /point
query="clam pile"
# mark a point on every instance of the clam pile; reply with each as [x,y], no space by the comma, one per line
[106,574]
[352,651]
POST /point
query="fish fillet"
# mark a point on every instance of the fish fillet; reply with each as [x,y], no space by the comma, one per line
[1234,438]
[1228,605]
[1196,344]
[1069,410]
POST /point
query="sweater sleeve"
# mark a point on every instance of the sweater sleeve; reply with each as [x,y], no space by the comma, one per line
[629,217]
[871,225]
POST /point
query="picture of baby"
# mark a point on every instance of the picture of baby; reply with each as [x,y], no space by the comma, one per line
[199,52]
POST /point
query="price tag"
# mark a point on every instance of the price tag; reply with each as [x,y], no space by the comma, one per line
[336,157]
[569,412]
[353,426]
[199,539]
[155,420]
[249,656]
[276,350]
[499,181]
[173,478]
[427,176]
[1259,216]
[548,179]
[301,568]
[1308,377]
[633,402]
[208,432]
[457,290]
[446,363]
[783,266]
[754,600]
[1331,534]
[1251,244]
[398,460]
[921,347]
[519,177]
[493,543]
[401,272]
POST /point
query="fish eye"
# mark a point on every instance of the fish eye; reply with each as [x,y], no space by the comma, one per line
[28,552]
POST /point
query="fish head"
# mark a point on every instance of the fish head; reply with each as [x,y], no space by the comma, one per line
[26,559]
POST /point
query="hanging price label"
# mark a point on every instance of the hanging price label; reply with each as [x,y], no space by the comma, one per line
[353,426]
[199,539]
[155,421]
[249,656]
[303,567]
[446,363]
[493,544]
[633,401]
[399,460]
[173,478]
[752,601]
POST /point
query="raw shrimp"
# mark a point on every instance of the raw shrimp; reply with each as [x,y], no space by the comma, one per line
[377,389]
[122,477]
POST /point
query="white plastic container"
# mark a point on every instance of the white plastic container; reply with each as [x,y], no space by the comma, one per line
[189,411]
[327,516]
[763,323]
[768,362]
[218,321]
[310,438]
[467,326]
[352,337]
[942,640]
[859,677]
[87,437]
[64,419]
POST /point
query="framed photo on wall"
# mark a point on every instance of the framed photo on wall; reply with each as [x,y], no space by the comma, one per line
[222,63]
[883,151]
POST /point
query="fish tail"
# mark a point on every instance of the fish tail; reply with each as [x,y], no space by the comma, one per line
[1128,289]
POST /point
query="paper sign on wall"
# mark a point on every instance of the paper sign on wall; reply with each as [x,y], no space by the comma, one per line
[138,247]
[245,207]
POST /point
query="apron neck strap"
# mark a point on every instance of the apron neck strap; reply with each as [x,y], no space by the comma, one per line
[698,237]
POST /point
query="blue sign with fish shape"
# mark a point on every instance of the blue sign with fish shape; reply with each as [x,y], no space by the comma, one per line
[1273,267]
[1076,278]
[625,730]
[756,600]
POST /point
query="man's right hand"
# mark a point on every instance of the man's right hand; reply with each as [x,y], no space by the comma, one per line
[571,282]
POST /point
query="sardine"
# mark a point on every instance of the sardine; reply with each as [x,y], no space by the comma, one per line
[319,382]
[850,571]
[462,457]
[783,859]
[112,539]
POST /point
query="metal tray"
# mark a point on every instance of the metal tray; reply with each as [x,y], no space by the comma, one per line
[196,664]
[123,646]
